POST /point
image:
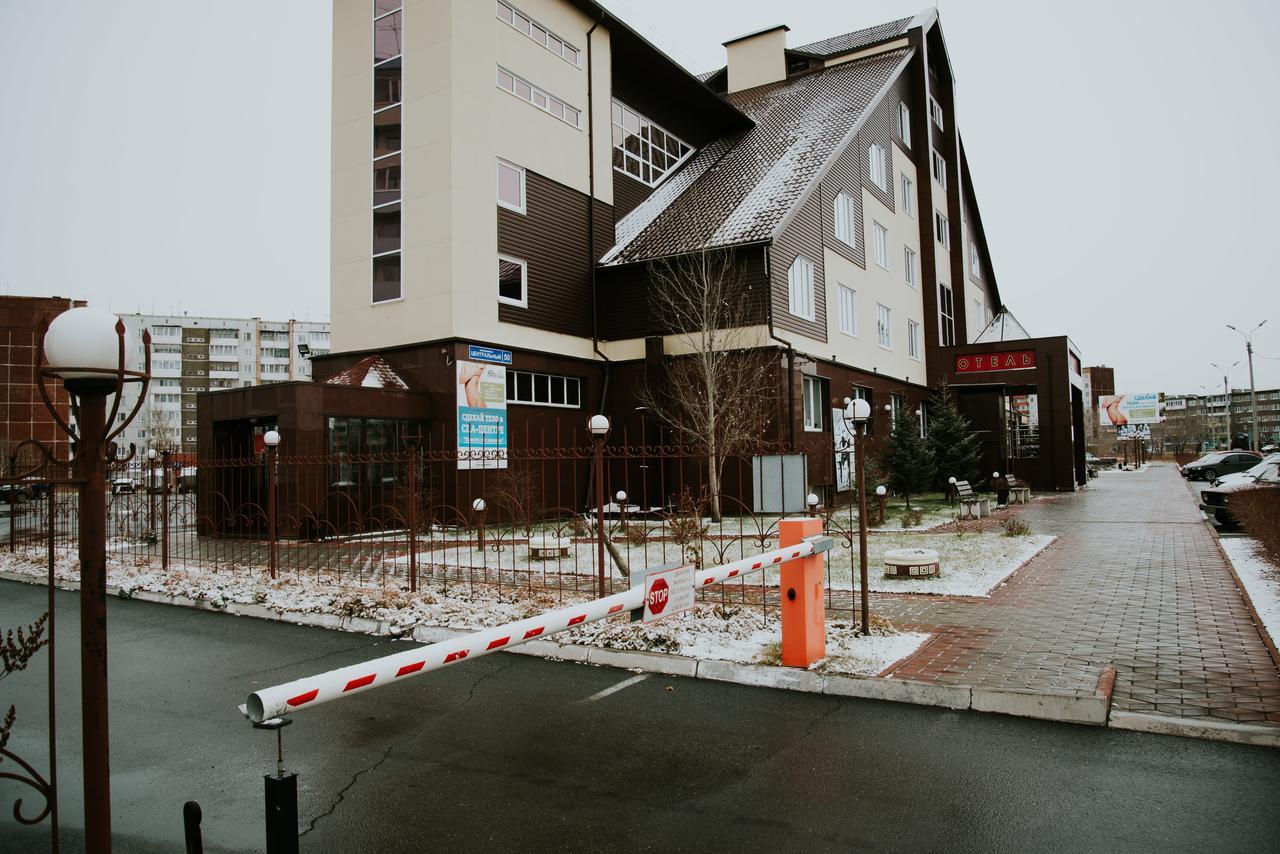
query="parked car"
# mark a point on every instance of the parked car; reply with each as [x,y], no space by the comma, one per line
[122,486]
[1248,475]
[14,493]
[1270,449]
[1210,466]
[1216,501]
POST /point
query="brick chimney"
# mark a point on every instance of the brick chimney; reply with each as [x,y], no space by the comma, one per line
[757,58]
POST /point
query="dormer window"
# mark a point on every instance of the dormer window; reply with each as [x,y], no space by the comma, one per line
[642,149]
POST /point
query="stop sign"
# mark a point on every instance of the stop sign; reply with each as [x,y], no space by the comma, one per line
[659,593]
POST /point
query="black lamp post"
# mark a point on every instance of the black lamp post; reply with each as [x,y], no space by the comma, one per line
[856,413]
[86,349]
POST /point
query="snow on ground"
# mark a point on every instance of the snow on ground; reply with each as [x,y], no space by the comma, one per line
[972,564]
[1261,580]
[730,633]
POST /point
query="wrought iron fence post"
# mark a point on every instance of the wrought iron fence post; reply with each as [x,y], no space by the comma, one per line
[271,499]
[859,441]
[164,511]
[413,516]
[53,711]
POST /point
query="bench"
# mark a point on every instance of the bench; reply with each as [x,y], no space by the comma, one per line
[971,506]
[1019,492]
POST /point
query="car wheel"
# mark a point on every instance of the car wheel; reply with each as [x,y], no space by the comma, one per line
[1211,475]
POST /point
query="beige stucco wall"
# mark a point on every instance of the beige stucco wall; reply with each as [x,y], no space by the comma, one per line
[757,60]
[456,124]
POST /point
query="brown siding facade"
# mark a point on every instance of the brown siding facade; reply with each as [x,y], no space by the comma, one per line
[802,236]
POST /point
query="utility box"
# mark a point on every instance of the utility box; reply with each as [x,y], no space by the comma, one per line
[779,483]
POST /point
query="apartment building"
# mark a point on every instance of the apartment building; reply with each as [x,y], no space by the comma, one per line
[191,355]
[1219,421]
[506,174]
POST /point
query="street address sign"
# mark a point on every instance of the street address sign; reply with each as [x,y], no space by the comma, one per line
[668,592]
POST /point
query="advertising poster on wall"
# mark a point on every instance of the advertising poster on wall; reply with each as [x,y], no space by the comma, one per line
[844,451]
[482,416]
[1119,410]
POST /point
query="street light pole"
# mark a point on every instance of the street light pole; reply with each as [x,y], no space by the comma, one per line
[86,349]
[1253,390]
[856,413]
[599,428]
[1226,399]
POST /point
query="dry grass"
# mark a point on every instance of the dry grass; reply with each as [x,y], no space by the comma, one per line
[1258,511]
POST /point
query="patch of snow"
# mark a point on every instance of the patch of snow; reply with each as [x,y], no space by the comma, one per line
[1261,580]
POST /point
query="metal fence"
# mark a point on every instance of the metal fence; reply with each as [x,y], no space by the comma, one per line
[423,518]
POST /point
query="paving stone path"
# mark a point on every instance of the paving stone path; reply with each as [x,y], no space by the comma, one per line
[1135,579]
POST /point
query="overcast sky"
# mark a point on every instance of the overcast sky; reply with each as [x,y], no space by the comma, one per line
[167,156]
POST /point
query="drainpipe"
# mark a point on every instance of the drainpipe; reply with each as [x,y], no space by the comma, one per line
[591,213]
[791,359]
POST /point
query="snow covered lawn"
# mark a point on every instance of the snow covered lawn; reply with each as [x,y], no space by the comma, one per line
[1261,581]
[972,564]
[730,633]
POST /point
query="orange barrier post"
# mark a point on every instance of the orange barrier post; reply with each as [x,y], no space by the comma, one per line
[804,625]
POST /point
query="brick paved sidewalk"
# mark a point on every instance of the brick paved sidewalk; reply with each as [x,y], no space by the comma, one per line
[1135,579]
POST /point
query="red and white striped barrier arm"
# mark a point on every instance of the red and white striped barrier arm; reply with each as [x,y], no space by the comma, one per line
[305,693]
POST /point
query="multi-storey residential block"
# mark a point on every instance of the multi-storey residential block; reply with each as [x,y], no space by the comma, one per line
[1207,421]
[192,355]
[506,174]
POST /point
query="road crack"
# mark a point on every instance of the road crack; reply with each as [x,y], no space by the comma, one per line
[342,794]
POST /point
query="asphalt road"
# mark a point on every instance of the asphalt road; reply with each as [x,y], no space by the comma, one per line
[509,753]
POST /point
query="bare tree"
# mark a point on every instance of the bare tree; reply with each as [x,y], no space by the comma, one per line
[717,380]
[161,434]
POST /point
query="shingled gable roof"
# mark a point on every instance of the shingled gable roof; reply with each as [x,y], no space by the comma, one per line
[369,372]
[741,190]
[849,42]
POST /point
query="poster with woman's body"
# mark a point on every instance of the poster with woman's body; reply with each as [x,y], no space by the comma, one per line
[482,416]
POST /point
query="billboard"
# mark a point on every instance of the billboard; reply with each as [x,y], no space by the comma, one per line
[1118,410]
[482,416]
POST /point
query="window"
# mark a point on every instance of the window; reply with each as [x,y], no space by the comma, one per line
[896,404]
[974,318]
[813,404]
[904,123]
[543,389]
[513,281]
[848,310]
[909,265]
[908,196]
[884,326]
[939,170]
[540,34]
[913,339]
[877,169]
[975,263]
[947,315]
[844,216]
[942,230]
[935,111]
[510,186]
[881,244]
[800,288]
[642,149]
[388,44]
[526,91]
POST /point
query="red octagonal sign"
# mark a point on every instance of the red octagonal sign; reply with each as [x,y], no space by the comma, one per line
[659,593]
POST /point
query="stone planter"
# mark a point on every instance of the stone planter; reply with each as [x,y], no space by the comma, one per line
[911,563]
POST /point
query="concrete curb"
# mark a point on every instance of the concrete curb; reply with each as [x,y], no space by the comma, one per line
[1255,734]
[1066,708]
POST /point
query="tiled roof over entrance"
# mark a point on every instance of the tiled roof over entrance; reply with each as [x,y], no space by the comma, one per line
[370,372]
[738,191]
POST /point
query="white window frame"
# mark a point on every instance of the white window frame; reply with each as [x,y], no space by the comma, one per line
[975,263]
[880,243]
[515,384]
[913,340]
[800,298]
[884,326]
[813,406]
[510,20]
[909,265]
[847,303]
[521,208]
[904,123]
[843,215]
[908,196]
[940,169]
[877,166]
[523,302]
[942,229]
[618,122]
[935,112]
[536,93]
[946,321]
